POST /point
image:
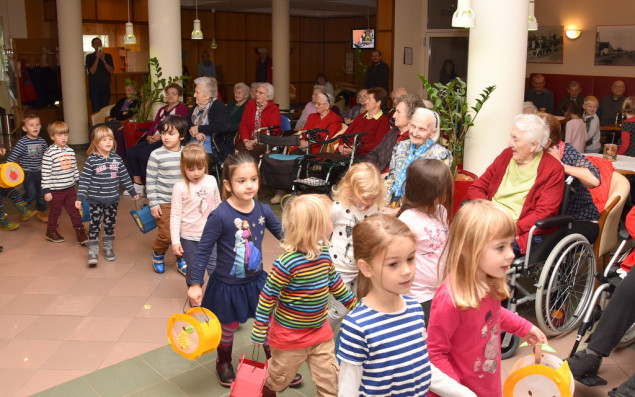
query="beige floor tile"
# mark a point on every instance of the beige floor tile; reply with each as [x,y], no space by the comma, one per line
[124,350]
[170,288]
[106,329]
[12,285]
[12,324]
[78,355]
[28,304]
[108,270]
[134,287]
[142,270]
[50,328]
[72,305]
[118,306]
[146,330]
[46,378]
[162,307]
[50,285]
[22,353]
[13,379]
[92,286]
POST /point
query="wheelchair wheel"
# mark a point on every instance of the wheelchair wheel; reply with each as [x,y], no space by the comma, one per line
[565,285]
[509,344]
[628,338]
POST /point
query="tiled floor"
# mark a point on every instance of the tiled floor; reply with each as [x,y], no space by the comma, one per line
[67,330]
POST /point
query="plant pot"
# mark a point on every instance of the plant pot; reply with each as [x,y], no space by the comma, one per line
[462,182]
[133,131]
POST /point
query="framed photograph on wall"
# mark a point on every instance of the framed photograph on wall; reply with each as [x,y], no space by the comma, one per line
[545,44]
[614,45]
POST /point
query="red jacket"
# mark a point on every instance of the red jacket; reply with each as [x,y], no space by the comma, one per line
[270,117]
[376,130]
[331,122]
[543,199]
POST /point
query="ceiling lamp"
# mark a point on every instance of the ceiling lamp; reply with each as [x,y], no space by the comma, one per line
[463,16]
[533,22]
[197,34]
[129,37]
[213,46]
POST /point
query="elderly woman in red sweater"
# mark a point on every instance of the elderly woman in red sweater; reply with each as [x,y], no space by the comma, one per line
[259,113]
[524,180]
[374,122]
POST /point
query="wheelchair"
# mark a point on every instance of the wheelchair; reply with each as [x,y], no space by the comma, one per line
[556,273]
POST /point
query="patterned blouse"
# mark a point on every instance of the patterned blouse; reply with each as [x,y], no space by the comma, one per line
[581,205]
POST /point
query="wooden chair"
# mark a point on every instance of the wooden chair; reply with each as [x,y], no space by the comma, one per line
[609,222]
[101,115]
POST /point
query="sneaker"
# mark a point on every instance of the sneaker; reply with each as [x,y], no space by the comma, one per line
[181,266]
[158,262]
[28,215]
[584,364]
[42,217]
[9,226]
[297,380]
[54,236]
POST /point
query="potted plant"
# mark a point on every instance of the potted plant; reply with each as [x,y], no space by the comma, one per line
[450,102]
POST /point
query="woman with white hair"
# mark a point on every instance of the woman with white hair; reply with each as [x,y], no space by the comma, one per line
[424,126]
[523,179]
[208,121]
[259,113]
[237,106]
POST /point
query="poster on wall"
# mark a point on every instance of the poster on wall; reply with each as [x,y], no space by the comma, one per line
[614,45]
[545,44]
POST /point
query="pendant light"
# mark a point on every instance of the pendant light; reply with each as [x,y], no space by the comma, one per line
[197,33]
[129,37]
[213,46]
[533,22]
[463,16]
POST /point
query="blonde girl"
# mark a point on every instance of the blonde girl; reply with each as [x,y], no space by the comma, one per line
[467,318]
[359,195]
[296,293]
[383,348]
[426,207]
[99,183]
[194,197]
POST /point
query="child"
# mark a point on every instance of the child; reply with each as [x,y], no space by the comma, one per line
[29,151]
[383,347]
[426,204]
[467,317]
[163,173]
[25,214]
[296,293]
[575,128]
[59,176]
[628,127]
[193,198]
[236,281]
[101,175]
[357,196]
[592,121]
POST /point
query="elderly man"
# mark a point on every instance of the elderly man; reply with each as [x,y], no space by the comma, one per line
[575,95]
[611,105]
[378,74]
[394,95]
[540,95]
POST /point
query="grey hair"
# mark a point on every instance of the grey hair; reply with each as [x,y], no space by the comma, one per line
[320,87]
[425,112]
[529,105]
[255,85]
[242,87]
[535,130]
[269,90]
[328,97]
[412,102]
[208,84]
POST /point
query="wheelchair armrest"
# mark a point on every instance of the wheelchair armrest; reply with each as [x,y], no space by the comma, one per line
[554,221]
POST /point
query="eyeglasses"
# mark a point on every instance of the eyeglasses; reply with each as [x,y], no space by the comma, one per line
[316,104]
[261,93]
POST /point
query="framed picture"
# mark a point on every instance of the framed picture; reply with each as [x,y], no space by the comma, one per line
[545,44]
[614,45]
[407,55]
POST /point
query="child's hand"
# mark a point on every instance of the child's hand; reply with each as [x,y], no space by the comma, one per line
[535,335]
[390,211]
[135,197]
[195,293]
[48,197]
[156,212]
[78,205]
[177,249]
[2,151]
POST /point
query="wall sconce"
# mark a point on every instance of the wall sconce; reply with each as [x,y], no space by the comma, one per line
[573,34]
[129,37]
[197,33]
[463,16]
[533,22]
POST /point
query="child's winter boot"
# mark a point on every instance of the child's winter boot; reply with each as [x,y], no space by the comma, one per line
[158,262]
[108,250]
[93,252]
[5,224]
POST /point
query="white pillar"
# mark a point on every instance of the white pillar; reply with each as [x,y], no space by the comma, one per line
[497,56]
[280,38]
[69,30]
[164,30]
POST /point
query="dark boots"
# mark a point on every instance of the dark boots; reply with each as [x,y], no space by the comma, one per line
[224,367]
[297,379]
[266,392]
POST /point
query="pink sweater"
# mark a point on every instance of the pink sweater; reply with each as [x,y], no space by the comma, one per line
[466,344]
[189,212]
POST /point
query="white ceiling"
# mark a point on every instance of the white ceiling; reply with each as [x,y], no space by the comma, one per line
[312,8]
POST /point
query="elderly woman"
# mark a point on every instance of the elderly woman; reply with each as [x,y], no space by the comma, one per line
[587,176]
[424,125]
[373,122]
[324,118]
[259,113]
[309,108]
[523,179]
[208,121]
[350,115]
[237,106]
[124,109]
[405,106]
[138,155]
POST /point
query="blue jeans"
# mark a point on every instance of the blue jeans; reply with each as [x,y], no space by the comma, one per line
[33,189]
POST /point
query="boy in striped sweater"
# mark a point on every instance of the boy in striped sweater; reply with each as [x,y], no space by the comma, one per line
[297,291]
[59,176]
[163,172]
[29,151]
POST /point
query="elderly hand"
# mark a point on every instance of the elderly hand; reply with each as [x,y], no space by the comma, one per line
[554,152]
[194,131]
[153,138]
[249,144]
[345,150]
[200,137]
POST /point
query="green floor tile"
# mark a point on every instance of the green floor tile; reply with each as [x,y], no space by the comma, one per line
[123,378]
[74,388]
[199,382]
[167,362]
[161,389]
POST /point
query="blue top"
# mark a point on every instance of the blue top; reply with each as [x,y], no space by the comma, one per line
[238,247]
[100,179]
[391,348]
[30,152]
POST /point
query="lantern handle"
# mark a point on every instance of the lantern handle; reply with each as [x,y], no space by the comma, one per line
[537,353]
[187,301]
